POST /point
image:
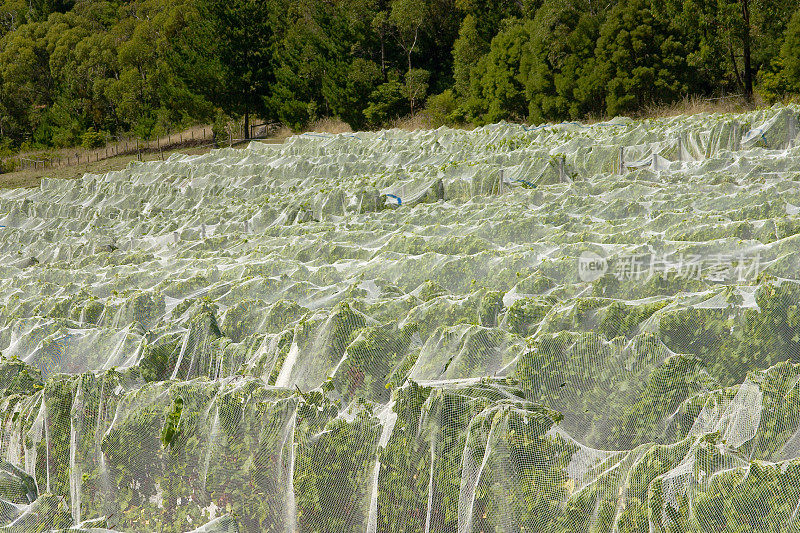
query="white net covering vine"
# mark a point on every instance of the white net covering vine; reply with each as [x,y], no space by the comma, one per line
[567,328]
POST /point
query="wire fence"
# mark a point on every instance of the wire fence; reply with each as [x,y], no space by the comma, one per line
[197,137]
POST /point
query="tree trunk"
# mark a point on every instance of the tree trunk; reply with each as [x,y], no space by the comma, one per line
[748,71]
[739,83]
[408,84]
[383,59]
[409,77]
[247,124]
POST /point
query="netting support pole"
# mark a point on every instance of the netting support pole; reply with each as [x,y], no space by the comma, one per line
[500,182]
[621,160]
[561,174]
[680,150]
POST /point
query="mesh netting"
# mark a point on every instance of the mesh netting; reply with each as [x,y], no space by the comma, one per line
[560,329]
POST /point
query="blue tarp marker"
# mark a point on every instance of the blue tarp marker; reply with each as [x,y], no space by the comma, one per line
[399,200]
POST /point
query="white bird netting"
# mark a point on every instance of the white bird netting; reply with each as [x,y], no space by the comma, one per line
[558,329]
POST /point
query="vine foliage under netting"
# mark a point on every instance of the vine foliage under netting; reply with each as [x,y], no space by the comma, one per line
[560,329]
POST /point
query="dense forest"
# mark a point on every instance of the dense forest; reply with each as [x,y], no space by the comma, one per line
[72,68]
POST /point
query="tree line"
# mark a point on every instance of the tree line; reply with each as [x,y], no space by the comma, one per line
[75,69]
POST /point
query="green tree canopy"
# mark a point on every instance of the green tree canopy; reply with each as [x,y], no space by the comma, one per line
[784,78]
[238,39]
[498,84]
[467,51]
[640,59]
[146,67]
[561,61]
